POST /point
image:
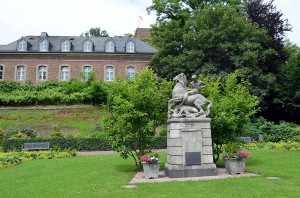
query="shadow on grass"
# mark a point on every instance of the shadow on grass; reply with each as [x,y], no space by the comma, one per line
[127,168]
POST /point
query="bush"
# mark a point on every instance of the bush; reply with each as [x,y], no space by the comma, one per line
[15,158]
[1,134]
[79,144]
[30,133]
[283,131]
[9,132]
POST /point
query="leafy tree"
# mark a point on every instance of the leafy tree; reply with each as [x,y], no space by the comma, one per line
[233,106]
[96,32]
[288,89]
[268,17]
[136,108]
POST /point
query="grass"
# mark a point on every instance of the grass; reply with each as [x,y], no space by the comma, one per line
[103,176]
[81,121]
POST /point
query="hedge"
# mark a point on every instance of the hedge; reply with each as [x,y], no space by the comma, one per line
[80,144]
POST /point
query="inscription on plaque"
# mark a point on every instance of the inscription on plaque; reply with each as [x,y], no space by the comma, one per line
[192,158]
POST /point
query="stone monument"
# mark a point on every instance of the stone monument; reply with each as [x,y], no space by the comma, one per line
[189,143]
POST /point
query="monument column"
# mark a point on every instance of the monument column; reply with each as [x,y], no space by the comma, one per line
[189,148]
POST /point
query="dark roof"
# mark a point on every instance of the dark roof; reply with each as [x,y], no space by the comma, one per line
[77,44]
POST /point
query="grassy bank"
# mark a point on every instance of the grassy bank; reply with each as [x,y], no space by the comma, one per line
[103,176]
[75,120]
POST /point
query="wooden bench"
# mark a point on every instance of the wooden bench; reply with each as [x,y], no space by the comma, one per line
[36,146]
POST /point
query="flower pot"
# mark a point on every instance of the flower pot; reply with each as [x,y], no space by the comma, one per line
[235,166]
[151,170]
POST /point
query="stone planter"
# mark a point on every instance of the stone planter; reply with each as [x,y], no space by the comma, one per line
[235,166]
[151,170]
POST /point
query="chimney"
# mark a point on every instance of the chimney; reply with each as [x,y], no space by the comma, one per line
[44,34]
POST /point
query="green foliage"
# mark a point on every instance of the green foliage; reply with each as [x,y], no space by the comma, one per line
[79,144]
[56,133]
[19,136]
[15,158]
[272,132]
[49,93]
[9,132]
[30,133]
[233,106]
[290,145]
[1,134]
[96,32]
[97,92]
[136,108]
[288,90]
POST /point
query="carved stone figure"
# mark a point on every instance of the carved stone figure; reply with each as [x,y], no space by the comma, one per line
[188,103]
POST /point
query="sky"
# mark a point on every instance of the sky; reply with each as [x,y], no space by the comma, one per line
[72,17]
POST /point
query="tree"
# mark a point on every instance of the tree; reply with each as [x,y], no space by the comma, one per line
[96,32]
[233,106]
[288,89]
[214,39]
[268,17]
[136,108]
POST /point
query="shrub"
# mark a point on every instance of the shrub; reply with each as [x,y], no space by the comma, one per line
[15,158]
[1,134]
[79,144]
[30,133]
[19,136]
[9,132]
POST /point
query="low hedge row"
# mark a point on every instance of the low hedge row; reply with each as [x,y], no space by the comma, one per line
[80,144]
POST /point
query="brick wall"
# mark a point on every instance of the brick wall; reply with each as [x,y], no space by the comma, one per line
[75,61]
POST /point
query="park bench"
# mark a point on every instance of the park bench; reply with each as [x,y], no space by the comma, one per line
[245,139]
[36,146]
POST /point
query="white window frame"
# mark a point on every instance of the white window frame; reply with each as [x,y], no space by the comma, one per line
[22,46]
[87,46]
[44,46]
[42,72]
[110,46]
[130,73]
[20,73]
[64,73]
[130,47]
[1,72]
[65,46]
[109,73]
[86,70]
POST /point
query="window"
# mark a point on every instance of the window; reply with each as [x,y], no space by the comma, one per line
[65,47]
[64,73]
[44,46]
[21,72]
[130,73]
[87,47]
[42,73]
[130,47]
[86,71]
[1,72]
[109,73]
[22,45]
[110,46]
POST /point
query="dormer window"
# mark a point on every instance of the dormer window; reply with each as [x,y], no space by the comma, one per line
[66,46]
[130,47]
[22,45]
[44,46]
[110,47]
[87,46]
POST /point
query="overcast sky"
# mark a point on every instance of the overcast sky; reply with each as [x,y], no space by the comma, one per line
[72,17]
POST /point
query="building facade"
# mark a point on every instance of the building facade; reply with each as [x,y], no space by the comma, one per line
[59,58]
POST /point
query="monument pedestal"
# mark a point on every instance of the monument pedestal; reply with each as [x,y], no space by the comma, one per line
[189,148]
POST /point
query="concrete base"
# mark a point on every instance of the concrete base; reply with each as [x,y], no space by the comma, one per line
[194,171]
[189,148]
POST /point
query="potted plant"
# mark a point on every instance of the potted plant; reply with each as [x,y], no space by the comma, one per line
[151,165]
[234,158]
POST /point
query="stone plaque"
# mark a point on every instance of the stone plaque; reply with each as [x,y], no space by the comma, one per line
[192,158]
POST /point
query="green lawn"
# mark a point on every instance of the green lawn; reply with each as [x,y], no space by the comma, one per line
[103,176]
[76,121]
